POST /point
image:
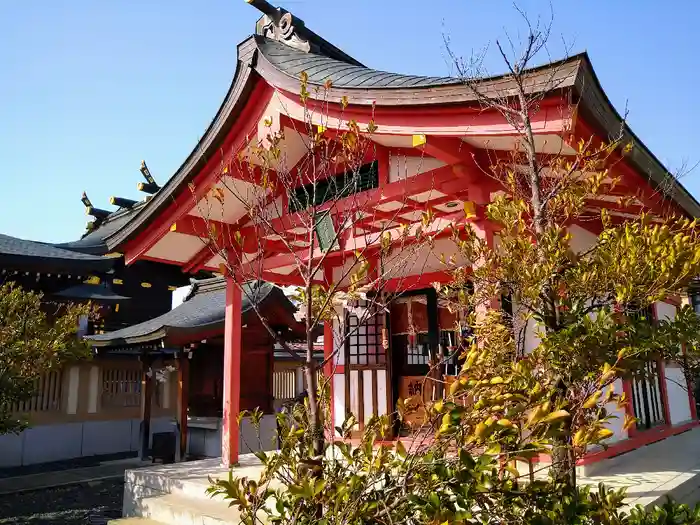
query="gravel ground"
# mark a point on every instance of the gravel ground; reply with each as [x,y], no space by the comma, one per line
[86,504]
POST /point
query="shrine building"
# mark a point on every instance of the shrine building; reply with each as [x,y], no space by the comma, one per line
[428,134]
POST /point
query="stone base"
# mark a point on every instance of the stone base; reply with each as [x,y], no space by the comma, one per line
[176,494]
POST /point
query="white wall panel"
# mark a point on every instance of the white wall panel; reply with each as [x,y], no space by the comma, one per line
[382,393]
[616,424]
[678,401]
[354,397]
[665,311]
[338,399]
[367,406]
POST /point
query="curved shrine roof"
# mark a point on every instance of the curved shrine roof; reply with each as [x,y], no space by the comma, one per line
[320,68]
[279,57]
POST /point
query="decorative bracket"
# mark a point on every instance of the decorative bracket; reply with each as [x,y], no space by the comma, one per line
[280,25]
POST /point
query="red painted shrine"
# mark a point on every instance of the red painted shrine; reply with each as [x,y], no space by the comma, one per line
[431,134]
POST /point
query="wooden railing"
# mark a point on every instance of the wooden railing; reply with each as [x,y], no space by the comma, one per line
[121,387]
[285,385]
[47,396]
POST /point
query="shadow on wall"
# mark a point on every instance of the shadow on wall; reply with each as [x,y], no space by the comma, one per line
[48,443]
[206,442]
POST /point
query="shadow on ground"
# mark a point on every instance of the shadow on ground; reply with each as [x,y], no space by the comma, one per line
[84,504]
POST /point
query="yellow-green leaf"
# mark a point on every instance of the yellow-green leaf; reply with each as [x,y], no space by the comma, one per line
[555,416]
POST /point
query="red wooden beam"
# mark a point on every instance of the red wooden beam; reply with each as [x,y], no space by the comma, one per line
[292,279]
[302,255]
[181,204]
[450,150]
[633,209]
[552,110]
[197,262]
[396,191]
[641,187]
[199,227]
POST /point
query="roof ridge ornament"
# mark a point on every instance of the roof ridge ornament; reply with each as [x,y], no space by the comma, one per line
[280,25]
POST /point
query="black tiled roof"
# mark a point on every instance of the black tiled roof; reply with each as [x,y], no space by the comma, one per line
[94,242]
[32,255]
[92,292]
[342,74]
[203,310]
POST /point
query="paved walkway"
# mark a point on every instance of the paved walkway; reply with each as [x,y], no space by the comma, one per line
[59,478]
[670,466]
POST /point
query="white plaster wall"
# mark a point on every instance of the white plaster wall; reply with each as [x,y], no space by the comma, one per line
[423,259]
[339,358]
[403,167]
[382,385]
[341,274]
[665,311]
[616,424]
[367,408]
[581,239]
[678,401]
[179,295]
[338,399]
[354,395]
[63,441]
[532,338]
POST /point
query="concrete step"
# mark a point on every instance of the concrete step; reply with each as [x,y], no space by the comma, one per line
[196,488]
[179,509]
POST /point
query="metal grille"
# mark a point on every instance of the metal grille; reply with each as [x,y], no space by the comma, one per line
[121,387]
[646,395]
[47,396]
[449,346]
[363,336]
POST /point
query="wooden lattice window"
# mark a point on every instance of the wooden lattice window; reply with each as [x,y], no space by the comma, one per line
[337,187]
[47,395]
[121,387]
[363,341]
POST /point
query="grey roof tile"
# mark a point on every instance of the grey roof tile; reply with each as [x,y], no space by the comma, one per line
[203,309]
[22,254]
[94,242]
[342,74]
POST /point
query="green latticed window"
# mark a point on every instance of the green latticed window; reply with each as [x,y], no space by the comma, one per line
[338,187]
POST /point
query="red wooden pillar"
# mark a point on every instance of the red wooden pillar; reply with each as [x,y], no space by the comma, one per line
[183,395]
[232,374]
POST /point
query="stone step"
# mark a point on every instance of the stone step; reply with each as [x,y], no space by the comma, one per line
[179,509]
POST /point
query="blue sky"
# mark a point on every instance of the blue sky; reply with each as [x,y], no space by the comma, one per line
[89,88]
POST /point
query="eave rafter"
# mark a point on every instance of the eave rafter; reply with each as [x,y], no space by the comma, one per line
[631,183]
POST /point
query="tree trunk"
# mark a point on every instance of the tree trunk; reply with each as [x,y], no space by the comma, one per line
[563,461]
[315,419]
